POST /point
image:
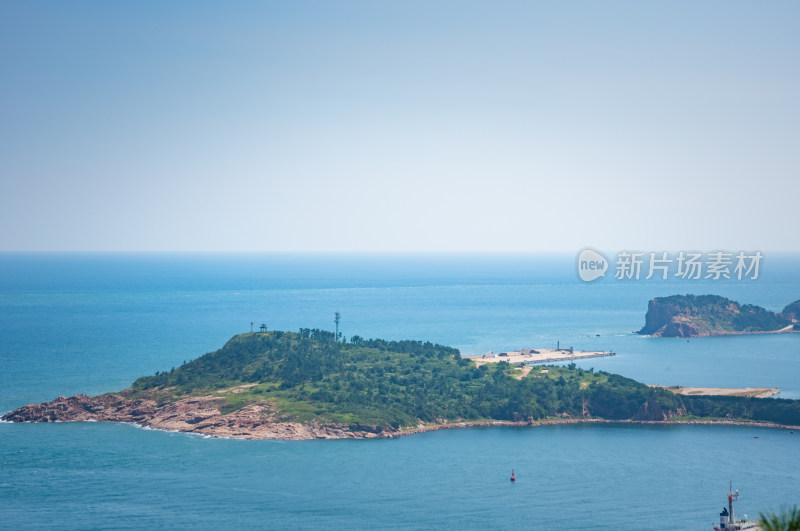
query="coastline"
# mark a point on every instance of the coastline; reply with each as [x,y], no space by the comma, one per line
[786,330]
[292,431]
[557,422]
[722,333]
[203,415]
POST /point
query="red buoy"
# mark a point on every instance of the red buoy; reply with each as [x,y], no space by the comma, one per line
[512,475]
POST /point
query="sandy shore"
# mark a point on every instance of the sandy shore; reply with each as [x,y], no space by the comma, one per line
[752,392]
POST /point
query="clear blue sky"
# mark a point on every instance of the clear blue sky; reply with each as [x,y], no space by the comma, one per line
[399,126]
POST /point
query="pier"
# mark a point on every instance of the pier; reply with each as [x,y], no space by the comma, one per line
[542,355]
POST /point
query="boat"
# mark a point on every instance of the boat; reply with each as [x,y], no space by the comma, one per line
[727,520]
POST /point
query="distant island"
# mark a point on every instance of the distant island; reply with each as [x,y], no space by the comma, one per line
[310,384]
[712,315]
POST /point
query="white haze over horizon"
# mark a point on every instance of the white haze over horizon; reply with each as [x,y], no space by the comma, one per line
[401,127]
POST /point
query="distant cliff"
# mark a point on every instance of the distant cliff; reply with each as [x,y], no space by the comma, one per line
[710,315]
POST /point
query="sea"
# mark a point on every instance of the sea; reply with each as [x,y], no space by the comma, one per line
[92,323]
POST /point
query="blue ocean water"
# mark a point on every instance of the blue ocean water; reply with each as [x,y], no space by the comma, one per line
[92,323]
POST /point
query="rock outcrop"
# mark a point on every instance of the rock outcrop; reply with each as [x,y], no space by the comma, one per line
[652,410]
[191,415]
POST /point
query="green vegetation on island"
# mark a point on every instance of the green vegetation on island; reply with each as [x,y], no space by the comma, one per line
[792,313]
[311,376]
[704,315]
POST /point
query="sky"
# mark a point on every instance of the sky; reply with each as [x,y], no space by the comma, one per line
[399,126]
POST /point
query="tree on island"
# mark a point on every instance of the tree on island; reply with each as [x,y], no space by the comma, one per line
[337,317]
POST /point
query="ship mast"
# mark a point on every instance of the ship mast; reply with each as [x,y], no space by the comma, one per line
[732,497]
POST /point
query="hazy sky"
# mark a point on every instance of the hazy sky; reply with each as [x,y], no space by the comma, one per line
[399,126]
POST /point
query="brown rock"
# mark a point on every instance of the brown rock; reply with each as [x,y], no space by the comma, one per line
[191,415]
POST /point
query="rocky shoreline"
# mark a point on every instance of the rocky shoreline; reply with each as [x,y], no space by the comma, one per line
[199,415]
[202,416]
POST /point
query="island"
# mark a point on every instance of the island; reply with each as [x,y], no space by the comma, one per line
[712,315]
[312,384]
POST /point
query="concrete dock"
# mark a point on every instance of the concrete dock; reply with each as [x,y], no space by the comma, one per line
[541,355]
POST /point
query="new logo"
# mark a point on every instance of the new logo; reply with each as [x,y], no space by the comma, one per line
[591,264]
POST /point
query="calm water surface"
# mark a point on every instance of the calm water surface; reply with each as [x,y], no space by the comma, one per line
[93,323]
